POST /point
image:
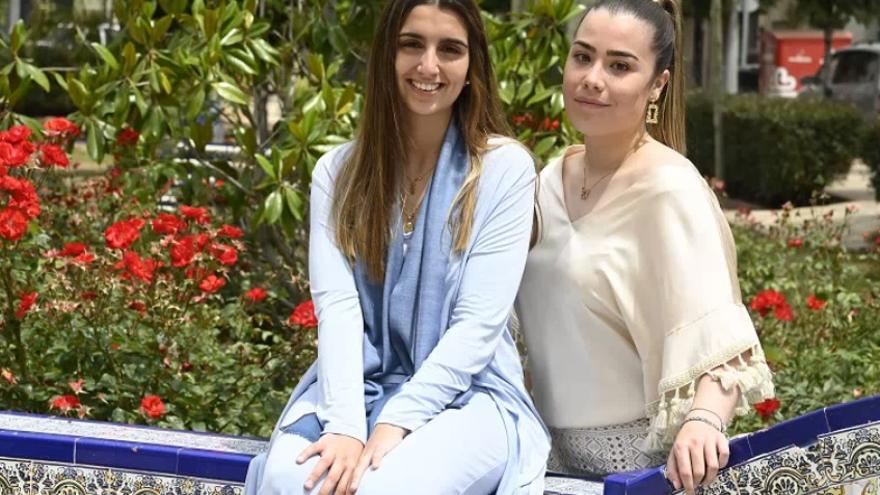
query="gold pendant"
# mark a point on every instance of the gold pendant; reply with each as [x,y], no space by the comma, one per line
[408,227]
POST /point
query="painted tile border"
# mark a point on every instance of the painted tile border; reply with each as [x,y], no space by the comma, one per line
[89,444]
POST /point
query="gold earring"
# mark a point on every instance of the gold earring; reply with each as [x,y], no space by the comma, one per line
[652,117]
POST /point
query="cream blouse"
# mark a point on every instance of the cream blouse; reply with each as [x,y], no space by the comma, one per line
[624,308]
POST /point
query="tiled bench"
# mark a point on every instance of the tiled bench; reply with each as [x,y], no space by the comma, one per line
[836,448]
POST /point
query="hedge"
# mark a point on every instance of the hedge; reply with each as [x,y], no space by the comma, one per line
[775,149]
[871,153]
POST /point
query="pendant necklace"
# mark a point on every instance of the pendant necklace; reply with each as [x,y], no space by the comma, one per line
[585,191]
[409,218]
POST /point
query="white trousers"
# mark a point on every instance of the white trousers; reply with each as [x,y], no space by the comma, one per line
[460,451]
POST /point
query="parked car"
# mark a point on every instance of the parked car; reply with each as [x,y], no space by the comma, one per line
[853,76]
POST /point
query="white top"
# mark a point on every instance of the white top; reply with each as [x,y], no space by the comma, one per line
[626,306]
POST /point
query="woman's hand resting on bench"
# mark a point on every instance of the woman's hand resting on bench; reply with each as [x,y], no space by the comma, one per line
[339,454]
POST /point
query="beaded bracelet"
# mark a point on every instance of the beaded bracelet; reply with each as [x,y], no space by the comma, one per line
[720,421]
[703,420]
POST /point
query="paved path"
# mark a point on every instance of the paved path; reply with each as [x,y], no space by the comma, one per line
[854,190]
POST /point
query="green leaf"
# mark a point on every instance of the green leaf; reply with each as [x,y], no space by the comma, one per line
[77,92]
[267,166]
[544,145]
[38,76]
[540,96]
[18,36]
[240,64]
[60,80]
[315,65]
[166,83]
[232,37]
[230,92]
[105,54]
[94,141]
[294,203]
[195,104]
[129,57]
[273,206]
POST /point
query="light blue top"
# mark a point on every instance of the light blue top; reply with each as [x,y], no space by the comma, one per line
[476,349]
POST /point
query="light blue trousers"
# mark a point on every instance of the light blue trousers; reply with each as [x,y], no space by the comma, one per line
[460,451]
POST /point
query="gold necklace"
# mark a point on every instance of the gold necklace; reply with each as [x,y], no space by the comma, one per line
[585,191]
[409,218]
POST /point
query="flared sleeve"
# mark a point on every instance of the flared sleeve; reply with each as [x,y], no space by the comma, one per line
[685,312]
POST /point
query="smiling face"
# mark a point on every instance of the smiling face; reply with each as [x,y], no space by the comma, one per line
[432,61]
[609,76]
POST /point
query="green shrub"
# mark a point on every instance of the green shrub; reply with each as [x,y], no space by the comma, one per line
[871,153]
[823,346]
[776,150]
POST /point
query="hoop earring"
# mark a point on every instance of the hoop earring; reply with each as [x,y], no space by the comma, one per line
[653,114]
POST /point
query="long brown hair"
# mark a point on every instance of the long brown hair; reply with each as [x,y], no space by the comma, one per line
[367,185]
[665,17]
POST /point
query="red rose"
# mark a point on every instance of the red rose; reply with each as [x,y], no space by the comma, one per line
[226,255]
[193,273]
[766,408]
[199,215]
[166,223]
[122,234]
[136,267]
[59,126]
[783,312]
[815,303]
[152,406]
[127,137]
[230,232]
[15,134]
[84,259]
[256,295]
[183,250]
[767,300]
[66,403]
[52,154]
[23,195]
[73,249]
[795,243]
[25,303]
[13,155]
[304,315]
[211,284]
[13,224]
[138,306]
[3,170]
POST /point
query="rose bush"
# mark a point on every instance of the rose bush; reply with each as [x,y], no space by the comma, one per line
[116,308]
[816,308]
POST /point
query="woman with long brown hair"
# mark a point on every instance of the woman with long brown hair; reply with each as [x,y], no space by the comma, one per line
[639,345]
[419,234]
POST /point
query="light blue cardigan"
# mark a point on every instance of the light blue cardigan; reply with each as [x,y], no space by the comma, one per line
[476,350]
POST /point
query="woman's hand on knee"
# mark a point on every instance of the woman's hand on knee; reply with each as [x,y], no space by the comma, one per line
[339,455]
[383,440]
[698,453]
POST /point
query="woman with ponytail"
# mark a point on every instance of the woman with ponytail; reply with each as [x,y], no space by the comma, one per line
[419,234]
[640,348]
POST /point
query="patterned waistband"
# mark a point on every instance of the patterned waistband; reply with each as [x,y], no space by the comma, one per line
[601,450]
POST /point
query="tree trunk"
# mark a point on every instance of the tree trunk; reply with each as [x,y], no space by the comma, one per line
[13,14]
[716,30]
[731,59]
[829,39]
